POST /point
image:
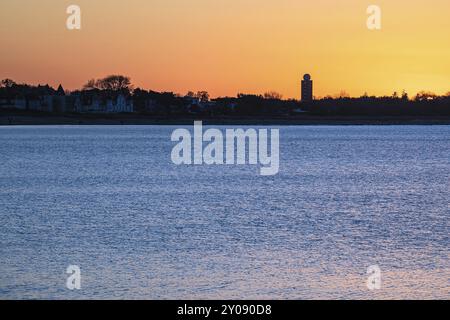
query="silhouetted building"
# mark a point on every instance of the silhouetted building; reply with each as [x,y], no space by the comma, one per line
[96,101]
[60,91]
[307,88]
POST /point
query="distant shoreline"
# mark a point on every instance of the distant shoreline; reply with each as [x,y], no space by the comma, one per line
[24,118]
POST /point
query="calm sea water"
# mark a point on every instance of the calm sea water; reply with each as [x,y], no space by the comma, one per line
[108,199]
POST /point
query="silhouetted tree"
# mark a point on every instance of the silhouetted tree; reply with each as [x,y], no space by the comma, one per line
[91,84]
[112,82]
[425,95]
[7,83]
[343,94]
[203,96]
[405,96]
[273,95]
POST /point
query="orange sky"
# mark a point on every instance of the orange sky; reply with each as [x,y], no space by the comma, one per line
[231,46]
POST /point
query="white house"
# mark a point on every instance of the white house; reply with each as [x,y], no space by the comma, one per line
[119,104]
[96,102]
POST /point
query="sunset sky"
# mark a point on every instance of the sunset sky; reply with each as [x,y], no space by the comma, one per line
[231,46]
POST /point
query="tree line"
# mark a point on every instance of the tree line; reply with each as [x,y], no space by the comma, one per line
[270,103]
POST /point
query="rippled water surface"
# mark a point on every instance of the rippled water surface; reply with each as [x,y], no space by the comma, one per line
[109,199]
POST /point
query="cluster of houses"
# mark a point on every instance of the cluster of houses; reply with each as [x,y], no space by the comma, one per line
[47,99]
[96,101]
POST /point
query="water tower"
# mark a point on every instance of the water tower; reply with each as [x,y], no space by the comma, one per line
[307,88]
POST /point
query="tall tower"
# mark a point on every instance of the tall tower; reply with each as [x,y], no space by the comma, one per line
[307,88]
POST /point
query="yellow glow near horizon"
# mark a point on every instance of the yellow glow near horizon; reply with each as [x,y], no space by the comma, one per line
[231,46]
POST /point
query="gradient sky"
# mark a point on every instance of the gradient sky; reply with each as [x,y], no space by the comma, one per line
[231,46]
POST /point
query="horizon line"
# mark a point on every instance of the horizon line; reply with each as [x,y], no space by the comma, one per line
[342,94]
